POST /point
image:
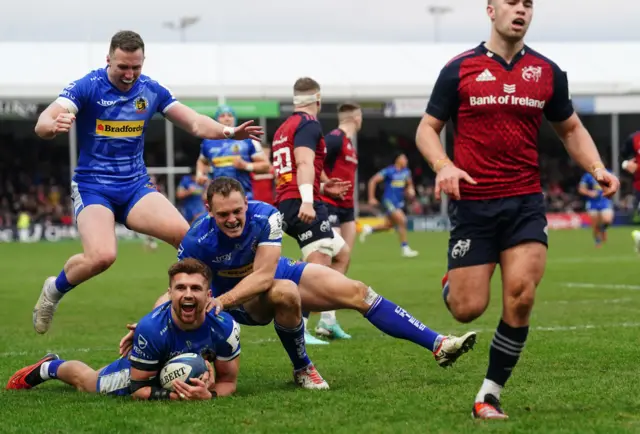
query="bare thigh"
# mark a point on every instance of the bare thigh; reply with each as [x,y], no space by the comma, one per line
[96,226]
[470,290]
[154,215]
[348,232]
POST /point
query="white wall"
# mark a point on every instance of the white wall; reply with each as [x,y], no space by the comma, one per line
[37,70]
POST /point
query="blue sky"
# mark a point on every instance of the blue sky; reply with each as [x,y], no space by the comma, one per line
[319,21]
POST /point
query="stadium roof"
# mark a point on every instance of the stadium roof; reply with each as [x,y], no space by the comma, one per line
[194,70]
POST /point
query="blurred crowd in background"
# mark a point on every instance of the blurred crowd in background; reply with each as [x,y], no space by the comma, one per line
[35,176]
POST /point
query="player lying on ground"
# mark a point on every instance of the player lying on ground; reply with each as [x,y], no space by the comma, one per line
[599,208]
[496,94]
[180,325]
[113,106]
[397,183]
[242,240]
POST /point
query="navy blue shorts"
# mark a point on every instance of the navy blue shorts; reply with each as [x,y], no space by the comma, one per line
[481,229]
[304,233]
[288,269]
[338,215]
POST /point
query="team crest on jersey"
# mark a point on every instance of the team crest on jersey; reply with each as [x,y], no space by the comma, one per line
[141,104]
[235,148]
[532,73]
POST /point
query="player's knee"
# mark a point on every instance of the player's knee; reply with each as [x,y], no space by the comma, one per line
[284,294]
[102,259]
[358,296]
[466,308]
[520,296]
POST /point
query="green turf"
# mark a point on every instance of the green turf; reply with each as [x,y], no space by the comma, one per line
[578,373]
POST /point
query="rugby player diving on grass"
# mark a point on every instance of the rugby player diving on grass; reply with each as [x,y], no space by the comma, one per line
[242,241]
[179,325]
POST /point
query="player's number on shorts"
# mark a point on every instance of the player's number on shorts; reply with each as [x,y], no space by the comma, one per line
[282,161]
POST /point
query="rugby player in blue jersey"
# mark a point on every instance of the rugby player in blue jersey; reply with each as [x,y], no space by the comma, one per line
[241,241]
[180,325]
[111,107]
[230,157]
[397,182]
[599,207]
[190,194]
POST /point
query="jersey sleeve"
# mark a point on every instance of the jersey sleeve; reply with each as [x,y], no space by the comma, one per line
[184,182]
[308,134]
[334,145]
[255,148]
[229,349]
[585,181]
[560,107]
[444,98]
[165,98]
[384,173]
[188,248]
[75,95]
[146,350]
[271,234]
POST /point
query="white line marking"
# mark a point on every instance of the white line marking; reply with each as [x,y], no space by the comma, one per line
[600,286]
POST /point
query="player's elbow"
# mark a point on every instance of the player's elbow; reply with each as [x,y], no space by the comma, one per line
[43,130]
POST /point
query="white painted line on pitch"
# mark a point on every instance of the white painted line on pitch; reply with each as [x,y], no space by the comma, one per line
[605,301]
[600,286]
[269,340]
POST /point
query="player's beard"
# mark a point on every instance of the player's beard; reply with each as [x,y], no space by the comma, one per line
[189,311]
[233,230]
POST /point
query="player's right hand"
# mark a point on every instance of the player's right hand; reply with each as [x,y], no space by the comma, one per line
[215,305]
[448,181]
[201,179]
[198,391]
[209,378]
[62,124]
[248,131]
[126,343]
[307,214]
[608,181]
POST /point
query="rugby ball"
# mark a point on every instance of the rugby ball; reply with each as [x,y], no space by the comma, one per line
[182,367]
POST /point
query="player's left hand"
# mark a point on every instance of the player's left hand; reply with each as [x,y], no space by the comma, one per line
[126,343]
[215,305]
[411,194]
[336,187]
[198,391]
[248,131]
[608,181]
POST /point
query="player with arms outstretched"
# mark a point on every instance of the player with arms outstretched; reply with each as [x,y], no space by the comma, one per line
[237,159]
[397,184]
[111,108]
[180,325]
[190,196]
[299,151]
[599,208]
[496,94]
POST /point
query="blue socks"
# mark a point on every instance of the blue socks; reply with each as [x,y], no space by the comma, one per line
[293,343]
[62,284]
[397,322]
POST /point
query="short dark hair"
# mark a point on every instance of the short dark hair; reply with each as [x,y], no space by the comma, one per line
[191,266]
[348,107]
[224,186]
[305,85]
[126,40]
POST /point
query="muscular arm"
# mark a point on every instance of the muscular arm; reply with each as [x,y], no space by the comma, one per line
[260,163]
[226,376]
[304,163]
[194,123]
[578,142]
[373,182]
[260,280]
[428,140]
[142,388]
[46,121]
